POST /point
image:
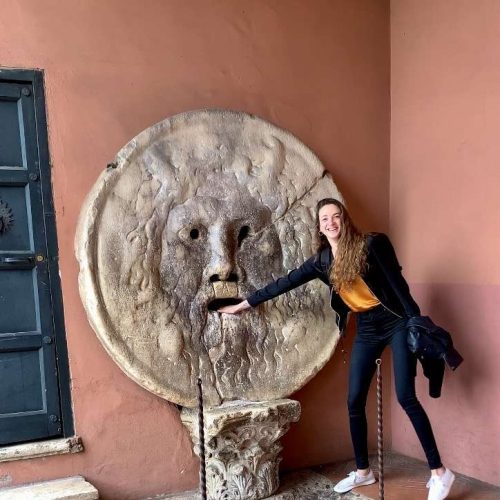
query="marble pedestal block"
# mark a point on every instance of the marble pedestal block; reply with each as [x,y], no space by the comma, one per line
[242,447]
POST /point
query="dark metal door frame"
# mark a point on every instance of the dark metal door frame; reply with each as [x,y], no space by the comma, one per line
[45,230]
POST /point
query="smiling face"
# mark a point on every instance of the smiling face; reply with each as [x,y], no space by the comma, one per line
[330,222]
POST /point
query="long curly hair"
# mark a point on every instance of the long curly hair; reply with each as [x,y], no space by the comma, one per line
[350,257]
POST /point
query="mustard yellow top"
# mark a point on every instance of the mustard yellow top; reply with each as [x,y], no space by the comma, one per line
[359,297]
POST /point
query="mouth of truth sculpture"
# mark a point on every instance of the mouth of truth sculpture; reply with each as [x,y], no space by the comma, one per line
[199,211]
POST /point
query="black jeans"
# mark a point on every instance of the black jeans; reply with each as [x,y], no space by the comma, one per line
[375,330]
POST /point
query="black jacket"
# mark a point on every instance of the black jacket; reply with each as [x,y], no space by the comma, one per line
[383,277]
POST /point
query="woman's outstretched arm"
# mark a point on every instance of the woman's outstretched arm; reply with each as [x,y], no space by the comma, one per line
[304,273]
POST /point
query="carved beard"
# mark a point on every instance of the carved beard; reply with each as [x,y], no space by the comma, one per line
[234,354]
[233,350]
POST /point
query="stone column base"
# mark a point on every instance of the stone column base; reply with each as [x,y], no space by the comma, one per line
[242,447]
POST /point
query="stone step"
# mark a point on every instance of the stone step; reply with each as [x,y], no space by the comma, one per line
[69,488]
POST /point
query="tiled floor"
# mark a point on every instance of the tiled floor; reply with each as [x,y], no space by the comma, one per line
[405,479]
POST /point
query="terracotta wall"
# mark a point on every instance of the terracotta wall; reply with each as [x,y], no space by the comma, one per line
[445,205]
[112,68]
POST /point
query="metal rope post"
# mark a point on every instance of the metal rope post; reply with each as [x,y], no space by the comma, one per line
[201,431]
[380,432]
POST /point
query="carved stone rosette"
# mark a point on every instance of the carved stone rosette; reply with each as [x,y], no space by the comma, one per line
[242,446]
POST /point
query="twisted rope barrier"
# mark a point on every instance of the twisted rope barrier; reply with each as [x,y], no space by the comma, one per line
[201,431]
[380,432]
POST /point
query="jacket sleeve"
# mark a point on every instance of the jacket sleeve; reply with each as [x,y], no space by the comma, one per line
[306,272]
[434,371]
[385,256]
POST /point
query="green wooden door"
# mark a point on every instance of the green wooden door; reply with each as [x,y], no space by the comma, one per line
[30,405]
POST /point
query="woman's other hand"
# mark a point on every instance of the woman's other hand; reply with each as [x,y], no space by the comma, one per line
[237,308]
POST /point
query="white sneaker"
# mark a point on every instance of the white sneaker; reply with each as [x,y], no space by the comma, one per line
[439,486]
[353,481]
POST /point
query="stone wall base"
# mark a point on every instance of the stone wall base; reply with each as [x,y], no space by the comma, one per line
[69,488]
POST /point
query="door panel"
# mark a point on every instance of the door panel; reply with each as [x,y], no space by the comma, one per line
[11,130]
[16,235]
[19,300]
[21,389]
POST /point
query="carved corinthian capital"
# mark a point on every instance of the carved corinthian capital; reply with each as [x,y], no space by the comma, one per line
[242,446]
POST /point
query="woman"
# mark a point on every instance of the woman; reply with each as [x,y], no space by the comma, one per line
[365,277]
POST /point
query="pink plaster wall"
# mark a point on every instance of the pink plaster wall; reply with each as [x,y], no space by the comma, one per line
[112,68]
[445,205]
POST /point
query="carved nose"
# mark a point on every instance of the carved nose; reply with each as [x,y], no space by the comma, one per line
[222,265]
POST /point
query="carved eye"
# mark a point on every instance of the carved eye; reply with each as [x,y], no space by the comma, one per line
[192,234]
[244,232]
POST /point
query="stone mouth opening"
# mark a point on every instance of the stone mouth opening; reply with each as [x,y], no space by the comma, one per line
[217,303]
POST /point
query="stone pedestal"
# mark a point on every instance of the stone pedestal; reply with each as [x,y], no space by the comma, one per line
[242,448]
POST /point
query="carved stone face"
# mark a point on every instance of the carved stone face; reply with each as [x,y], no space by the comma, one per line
[216,243]
[202,210]
[216,251]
